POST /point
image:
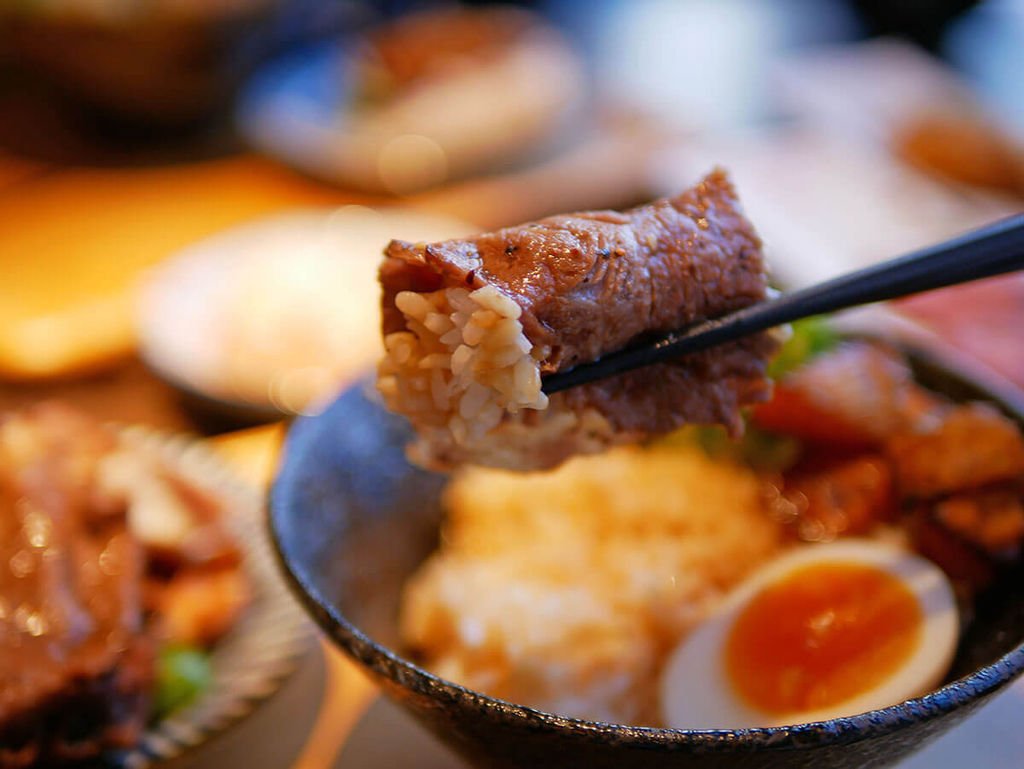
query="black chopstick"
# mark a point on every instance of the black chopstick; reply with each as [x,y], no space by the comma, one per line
[992,250]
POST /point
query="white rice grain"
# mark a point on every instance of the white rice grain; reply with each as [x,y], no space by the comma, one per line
[493,299]
[435,360]
[474,333]
[412,304]
[507,356]
[458,429]
[438,323]
[453,338]
[460,358]
[438,389]
[527,377]
[474,399]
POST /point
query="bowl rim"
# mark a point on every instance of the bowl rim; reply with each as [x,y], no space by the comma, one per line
[388,664]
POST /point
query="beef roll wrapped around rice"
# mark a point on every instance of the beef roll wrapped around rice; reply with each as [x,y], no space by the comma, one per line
[470,327]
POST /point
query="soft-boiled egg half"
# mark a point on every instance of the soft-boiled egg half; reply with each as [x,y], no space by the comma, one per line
[822,632]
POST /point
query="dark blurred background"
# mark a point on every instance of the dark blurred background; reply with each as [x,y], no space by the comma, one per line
[147,73]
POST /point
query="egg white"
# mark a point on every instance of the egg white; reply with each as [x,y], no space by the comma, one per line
[695,689]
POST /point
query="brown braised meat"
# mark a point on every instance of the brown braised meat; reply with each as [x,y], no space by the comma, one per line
[964,477]
[75,663]
[563,291]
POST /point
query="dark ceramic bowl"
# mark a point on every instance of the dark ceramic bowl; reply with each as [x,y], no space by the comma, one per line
[352,521]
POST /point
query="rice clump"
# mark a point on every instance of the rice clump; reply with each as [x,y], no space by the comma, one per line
[566,590]
[468,378]
[463,360]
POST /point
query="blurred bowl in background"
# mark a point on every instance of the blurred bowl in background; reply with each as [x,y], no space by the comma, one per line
[423,100]
[273,317]
[162,62]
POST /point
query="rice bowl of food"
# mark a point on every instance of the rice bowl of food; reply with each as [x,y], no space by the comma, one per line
[693,567]
[536,627]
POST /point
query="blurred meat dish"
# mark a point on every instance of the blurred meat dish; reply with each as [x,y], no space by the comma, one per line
[107,554]
[434,44]
[968,447]
[75,661]
[963,148]
[157,63]
[444,94]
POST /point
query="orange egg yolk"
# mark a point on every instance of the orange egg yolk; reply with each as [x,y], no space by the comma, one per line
[821,635]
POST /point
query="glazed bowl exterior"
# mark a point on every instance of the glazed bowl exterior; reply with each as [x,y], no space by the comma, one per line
[352,520]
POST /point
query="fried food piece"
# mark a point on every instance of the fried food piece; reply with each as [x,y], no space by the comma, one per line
[992,520]
[853,398]
[471,325]
[180,524]
[195,588]
[969,447]
[846,498]
[967,565]
[199,607]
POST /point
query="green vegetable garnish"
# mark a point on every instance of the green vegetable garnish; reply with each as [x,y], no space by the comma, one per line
[182,674]
[811,337]
[757,449]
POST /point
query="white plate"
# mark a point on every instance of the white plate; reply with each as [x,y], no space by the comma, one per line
[277,314]
[251,662]
[299,109]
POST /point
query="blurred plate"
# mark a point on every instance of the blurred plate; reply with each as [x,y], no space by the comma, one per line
[273,317]
[252,661]
[299,108]
[825,205]
[861,91]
